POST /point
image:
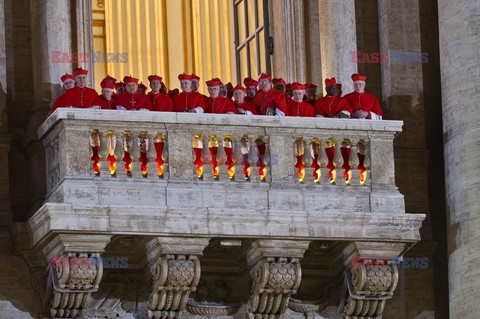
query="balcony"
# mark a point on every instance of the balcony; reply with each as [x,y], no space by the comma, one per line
[221,198]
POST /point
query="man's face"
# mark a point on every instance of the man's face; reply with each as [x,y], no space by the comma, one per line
[238,96]
[81,80]
[330,90]
[338,91]
[155,85]
[298,95]
[186,85]
[195,85]
[311,93]
[107,93]
[68,84]
[223,91]
[214,91]
[251,91]
[359,86]
[120,89]
[279,87]
[265,85]
[131,87]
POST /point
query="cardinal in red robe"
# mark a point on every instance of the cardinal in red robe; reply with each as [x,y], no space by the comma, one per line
[81,96]
[160,102]
[332,105]
[132,99]
[268,101]
[68,81]
[215,103]
[251,86]
[188,100]
[243,107]
[105,101]
[364,105]
[297,106]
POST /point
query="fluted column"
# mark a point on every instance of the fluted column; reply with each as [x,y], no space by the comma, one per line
[288,32]
[459,28]
[338,38]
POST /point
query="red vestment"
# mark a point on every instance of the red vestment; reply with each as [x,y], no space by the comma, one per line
[219,105]
[364,102]
[246,106]
[272,99]
[331,106]
[105,104]
[303,109]
[185,101]
[133,101]
[161,102]
[81,97]
[61,101]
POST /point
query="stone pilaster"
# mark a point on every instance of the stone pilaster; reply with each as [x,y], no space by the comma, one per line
[288,32]
[74,272]
[276,274]
[459,28]
[338,39]
[175,272]
[83,36]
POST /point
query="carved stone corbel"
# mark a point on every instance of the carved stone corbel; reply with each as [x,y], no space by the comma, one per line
[74,273]
[175,272]
[276,274]
[371,279]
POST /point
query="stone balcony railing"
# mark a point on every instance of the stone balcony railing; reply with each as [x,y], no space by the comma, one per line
[272,188]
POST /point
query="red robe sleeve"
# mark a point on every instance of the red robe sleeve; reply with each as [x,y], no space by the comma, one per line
[61,101]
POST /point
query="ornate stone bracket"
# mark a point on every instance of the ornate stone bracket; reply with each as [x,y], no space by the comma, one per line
[370,281]
[368,290]
[74,273]
[276,274]
[175,274]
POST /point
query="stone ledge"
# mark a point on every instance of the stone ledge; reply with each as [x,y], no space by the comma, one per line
[154,221]
[160,118]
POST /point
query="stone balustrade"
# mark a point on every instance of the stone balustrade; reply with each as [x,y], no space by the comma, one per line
[196,199]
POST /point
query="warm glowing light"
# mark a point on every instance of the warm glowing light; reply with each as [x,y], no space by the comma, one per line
[229,150]
[345,151]
[330,151]
[245,150]
[159,144]
[261,148]
[95,143]
[197,145]
[361,146]
[213,148]
[127,142]
[300,168]
[112,164]
[333,176]
[314,152]
[111,158]
[143,143]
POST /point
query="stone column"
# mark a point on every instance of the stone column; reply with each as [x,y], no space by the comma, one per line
[288,32]
[83,37]
[338,39]
[459,28]
[276,274]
